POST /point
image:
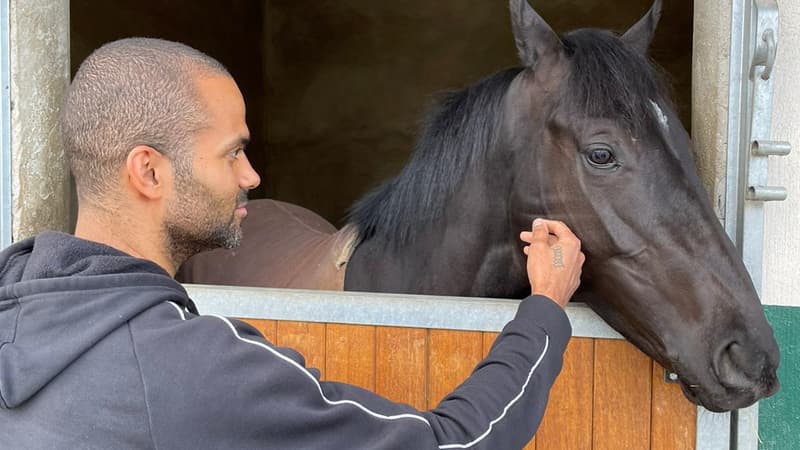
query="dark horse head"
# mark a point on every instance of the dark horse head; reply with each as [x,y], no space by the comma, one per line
[583,133]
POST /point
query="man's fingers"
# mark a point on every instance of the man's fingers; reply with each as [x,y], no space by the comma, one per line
[528,236]
[558,228]
[540,230]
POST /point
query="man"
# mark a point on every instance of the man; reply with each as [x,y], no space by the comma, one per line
[101,348]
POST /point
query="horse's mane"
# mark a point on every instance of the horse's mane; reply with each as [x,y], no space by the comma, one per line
[607,79]
[457,132]
[610,79]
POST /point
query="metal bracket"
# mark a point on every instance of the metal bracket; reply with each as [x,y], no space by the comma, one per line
[765,53]
[763,149]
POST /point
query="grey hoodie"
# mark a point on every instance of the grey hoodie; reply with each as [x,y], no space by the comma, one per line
[101,350]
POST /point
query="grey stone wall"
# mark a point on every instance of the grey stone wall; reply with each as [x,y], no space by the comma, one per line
[710,117]
[39,76]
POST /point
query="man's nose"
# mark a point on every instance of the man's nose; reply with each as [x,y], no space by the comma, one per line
[249,178]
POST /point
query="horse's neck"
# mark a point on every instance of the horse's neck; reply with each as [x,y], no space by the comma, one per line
[469,249]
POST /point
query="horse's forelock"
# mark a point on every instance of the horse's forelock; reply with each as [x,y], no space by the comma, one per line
[610,80]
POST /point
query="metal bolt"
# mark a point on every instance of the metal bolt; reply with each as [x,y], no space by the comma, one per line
[670,377]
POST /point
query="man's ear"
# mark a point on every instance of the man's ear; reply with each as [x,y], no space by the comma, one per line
[147,170]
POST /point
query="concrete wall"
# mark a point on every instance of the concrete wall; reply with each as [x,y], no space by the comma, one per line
[39,76]
[712,28]
[781,283]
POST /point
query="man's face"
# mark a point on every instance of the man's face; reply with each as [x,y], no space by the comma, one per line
[207,207]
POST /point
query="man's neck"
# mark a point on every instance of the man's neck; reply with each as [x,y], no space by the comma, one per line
[121,231]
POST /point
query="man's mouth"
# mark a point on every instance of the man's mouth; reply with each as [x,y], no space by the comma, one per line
[241,207]
[241,210]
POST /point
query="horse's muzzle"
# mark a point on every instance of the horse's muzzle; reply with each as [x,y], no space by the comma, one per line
[740,376]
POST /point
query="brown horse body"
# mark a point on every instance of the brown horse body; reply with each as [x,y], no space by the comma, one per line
[286,246]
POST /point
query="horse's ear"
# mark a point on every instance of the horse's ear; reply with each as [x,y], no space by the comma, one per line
[533,36]
[641,33]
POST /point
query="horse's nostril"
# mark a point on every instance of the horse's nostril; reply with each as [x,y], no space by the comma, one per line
[732,367]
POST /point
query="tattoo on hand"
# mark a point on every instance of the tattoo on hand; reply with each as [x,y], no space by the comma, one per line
[558,257]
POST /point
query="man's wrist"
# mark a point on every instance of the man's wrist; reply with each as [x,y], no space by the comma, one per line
[552,297]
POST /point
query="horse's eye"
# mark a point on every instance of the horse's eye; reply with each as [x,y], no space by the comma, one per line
[600,156]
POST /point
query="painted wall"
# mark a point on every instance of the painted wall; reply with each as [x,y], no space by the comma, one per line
[779,415]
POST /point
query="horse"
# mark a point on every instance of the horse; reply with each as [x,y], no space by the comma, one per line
[584,132]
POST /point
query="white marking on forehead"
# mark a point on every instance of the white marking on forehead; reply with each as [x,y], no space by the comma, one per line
[662,118]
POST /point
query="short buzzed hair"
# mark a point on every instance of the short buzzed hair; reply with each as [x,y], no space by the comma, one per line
[136,91]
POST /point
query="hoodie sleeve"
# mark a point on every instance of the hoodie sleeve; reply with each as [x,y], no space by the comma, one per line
[213,382]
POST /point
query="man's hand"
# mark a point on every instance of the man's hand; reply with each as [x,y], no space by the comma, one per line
[554,260]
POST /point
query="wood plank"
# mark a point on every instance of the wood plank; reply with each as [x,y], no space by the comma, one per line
[674,424]
[265,327]
[400,364]
[567,423]
[622,393]
[452,356]
[488,341]
[307,338]
[350,354]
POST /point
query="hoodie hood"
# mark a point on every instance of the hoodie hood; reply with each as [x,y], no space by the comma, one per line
[61,295]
